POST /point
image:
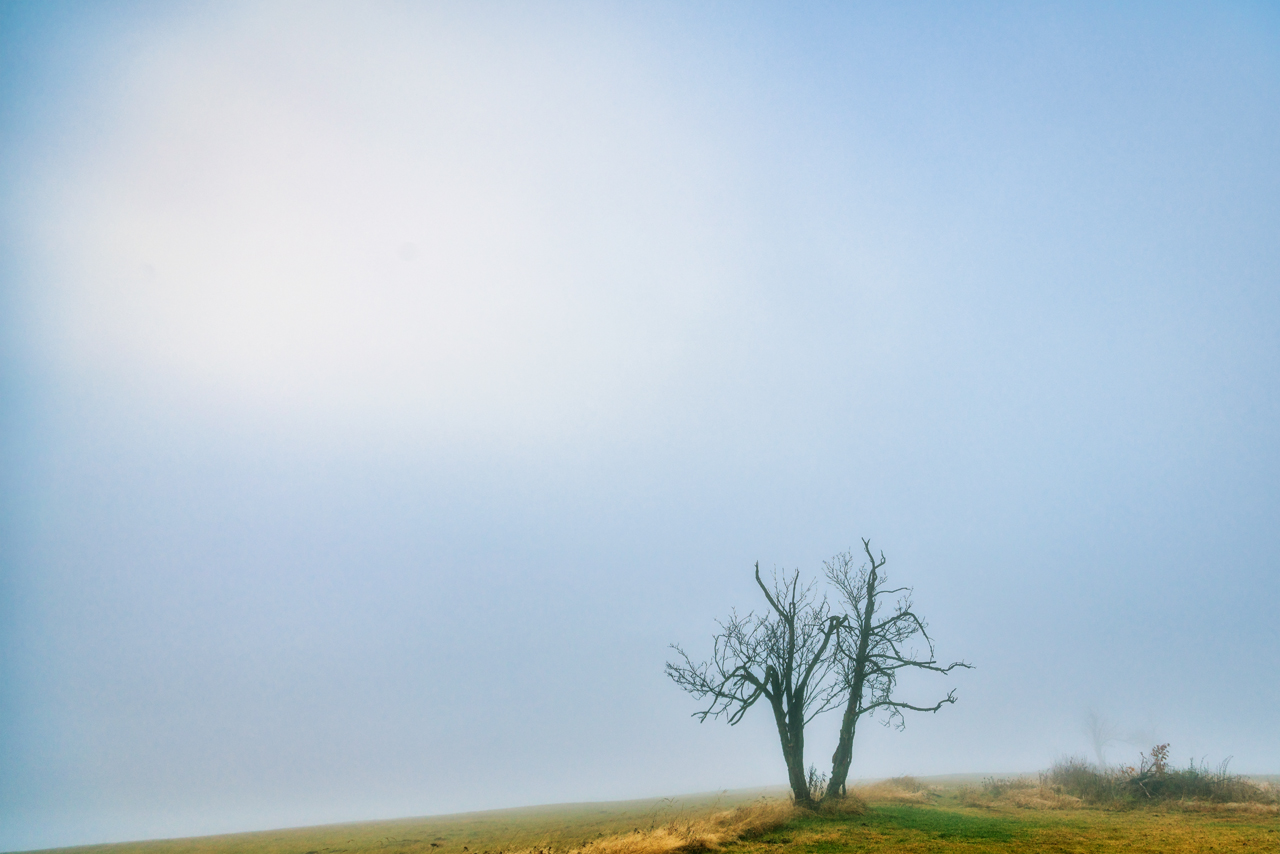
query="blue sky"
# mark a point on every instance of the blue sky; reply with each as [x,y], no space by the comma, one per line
[385,387]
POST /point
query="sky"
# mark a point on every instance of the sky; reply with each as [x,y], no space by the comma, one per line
[384,386]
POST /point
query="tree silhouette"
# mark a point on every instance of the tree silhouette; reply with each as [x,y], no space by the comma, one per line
[872,650]
[783,656]
[805,660]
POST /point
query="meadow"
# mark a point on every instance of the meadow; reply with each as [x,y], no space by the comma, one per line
[902,815]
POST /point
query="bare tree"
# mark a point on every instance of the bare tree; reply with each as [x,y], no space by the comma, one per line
[871,650]
[782,656]
[1102,734]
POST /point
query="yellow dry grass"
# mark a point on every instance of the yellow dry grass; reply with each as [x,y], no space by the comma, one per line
[1042,798]
[710,833]
[1248,808]
[898,790]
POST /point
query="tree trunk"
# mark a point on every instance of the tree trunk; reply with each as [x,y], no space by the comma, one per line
[792,738]
[843,757]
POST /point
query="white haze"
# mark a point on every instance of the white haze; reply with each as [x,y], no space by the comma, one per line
[386,385]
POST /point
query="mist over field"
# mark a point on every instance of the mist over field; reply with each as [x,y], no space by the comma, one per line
[385,386]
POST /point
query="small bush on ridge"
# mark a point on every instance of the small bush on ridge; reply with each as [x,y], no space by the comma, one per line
[1152,781]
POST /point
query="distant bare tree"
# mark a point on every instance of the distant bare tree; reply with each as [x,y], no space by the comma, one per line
[871,650]
[1102,734]
[782,656]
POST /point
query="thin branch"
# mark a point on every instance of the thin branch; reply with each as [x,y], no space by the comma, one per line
[950,698]
[767,594]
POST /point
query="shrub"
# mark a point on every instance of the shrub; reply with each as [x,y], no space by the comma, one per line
[1152,781]
[817,783]
[1202,783]
[1077,777]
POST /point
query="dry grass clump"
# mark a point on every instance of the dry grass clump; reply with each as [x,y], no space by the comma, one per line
[898,790]
[906,783]
[1042,798]
[1016,791]
[709,833]
[1247,807]
[849,805]
[748,822]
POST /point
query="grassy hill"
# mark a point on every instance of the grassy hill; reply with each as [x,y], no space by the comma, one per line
[955,814]
[560,827]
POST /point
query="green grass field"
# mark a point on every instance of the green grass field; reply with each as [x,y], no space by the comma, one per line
[948,826]
[938,816]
